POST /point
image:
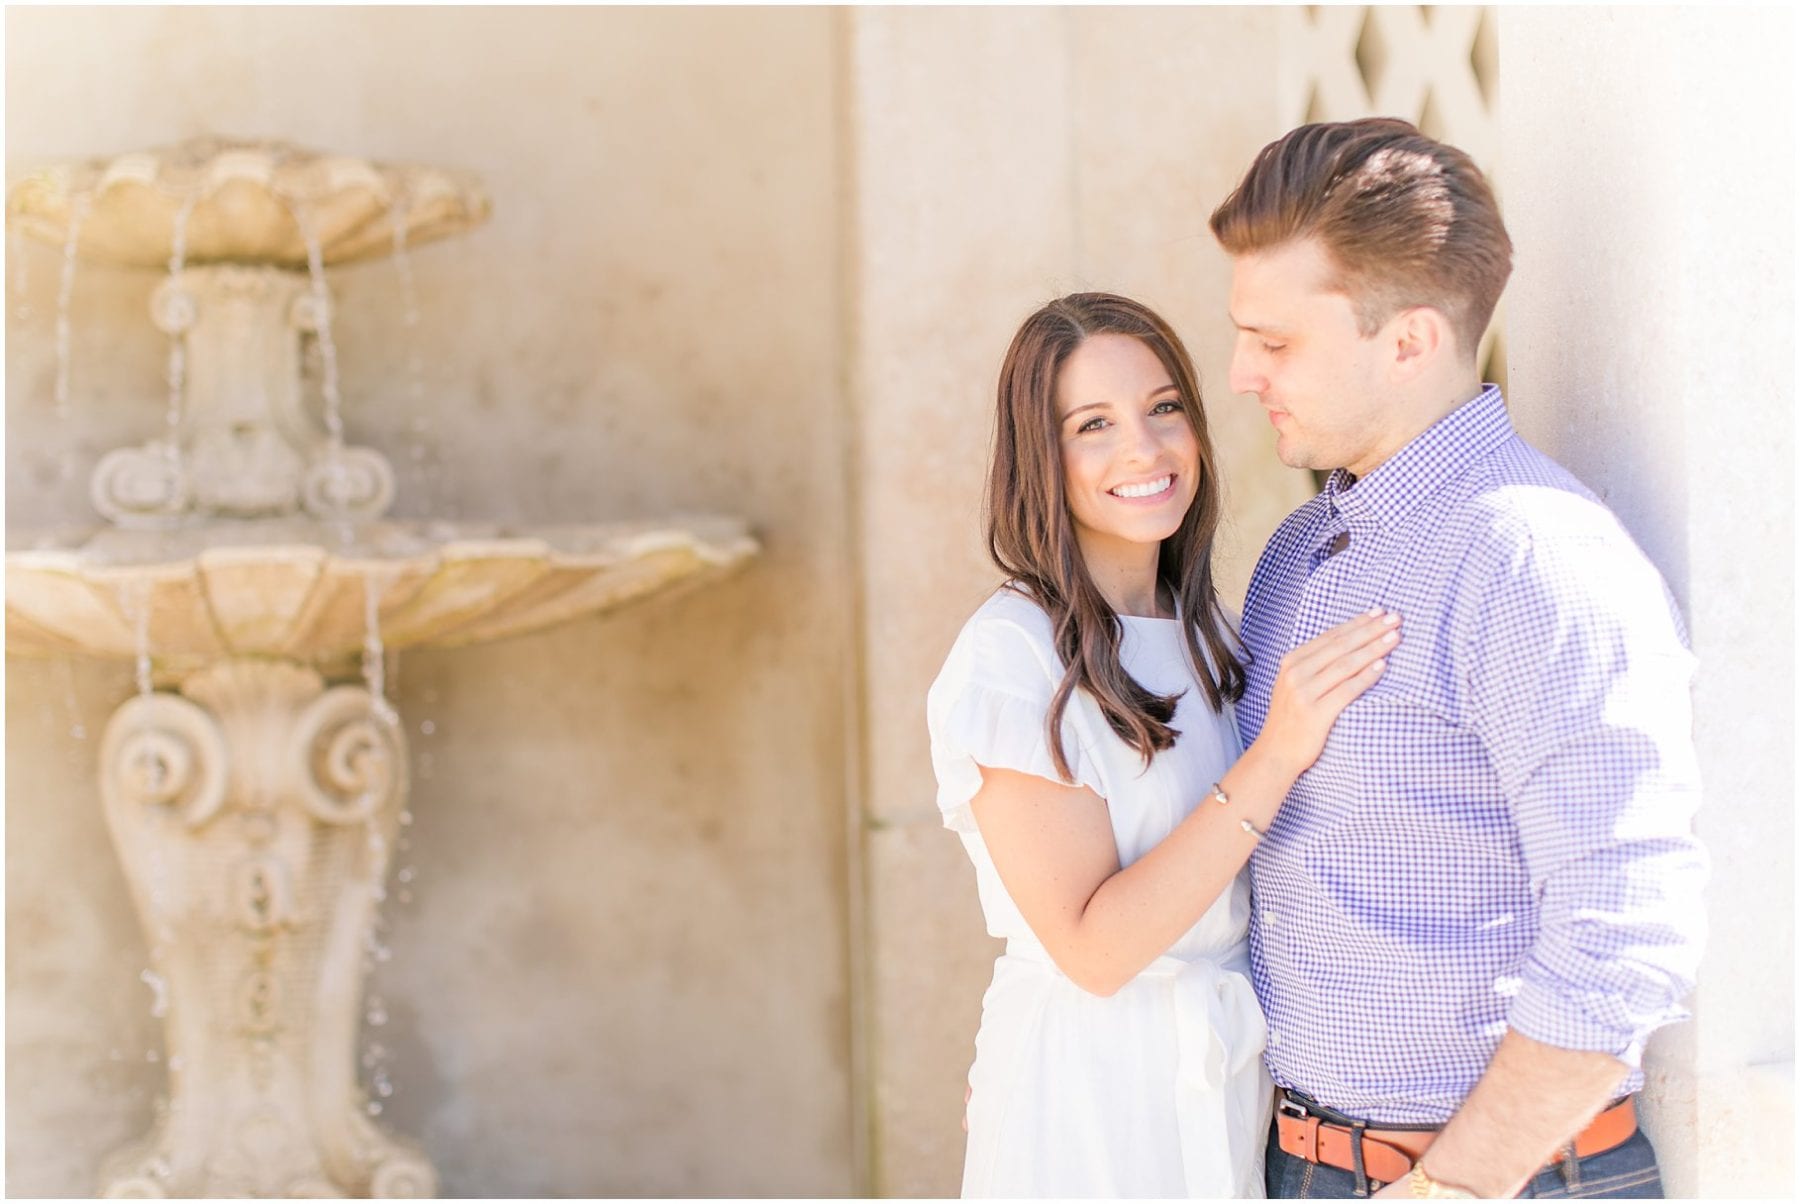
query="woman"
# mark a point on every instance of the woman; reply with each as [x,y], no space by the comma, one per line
[1086,752]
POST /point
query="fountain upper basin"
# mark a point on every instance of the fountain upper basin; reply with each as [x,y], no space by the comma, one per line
[245,198]
[295,589]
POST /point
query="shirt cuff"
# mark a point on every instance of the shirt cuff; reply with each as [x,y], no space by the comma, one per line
[1591,1021]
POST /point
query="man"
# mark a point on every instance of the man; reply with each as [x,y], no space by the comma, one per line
[1485,896]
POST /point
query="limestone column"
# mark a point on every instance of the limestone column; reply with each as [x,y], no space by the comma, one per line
[962,222]
[1650,194]
[999,158]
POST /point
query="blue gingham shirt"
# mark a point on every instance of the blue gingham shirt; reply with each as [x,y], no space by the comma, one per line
[1499,833]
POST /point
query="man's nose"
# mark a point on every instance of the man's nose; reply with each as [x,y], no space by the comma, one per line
[1244,376]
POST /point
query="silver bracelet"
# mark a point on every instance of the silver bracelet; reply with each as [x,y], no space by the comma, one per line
[1219,796]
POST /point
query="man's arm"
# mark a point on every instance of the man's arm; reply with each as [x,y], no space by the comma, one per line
[1578,685]
[1532,1099]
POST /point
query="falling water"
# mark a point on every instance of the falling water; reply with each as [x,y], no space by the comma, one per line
[77,728]
[376,950]
[374,657]
[374,1060]
[315,262]
[409,292]
[78,212]
[21,275]
[177,373]
[136,600]
[423,451]
[375,1014]
[334,402]
[374,664]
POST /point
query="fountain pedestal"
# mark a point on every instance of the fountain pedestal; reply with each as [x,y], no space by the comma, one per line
[242,441]
[254,813]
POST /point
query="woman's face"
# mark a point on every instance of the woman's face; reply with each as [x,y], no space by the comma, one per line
[1131,461]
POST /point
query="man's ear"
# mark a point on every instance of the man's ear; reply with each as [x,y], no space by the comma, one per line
[1419,337]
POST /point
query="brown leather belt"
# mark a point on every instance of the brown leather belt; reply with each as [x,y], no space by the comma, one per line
[1388,1154]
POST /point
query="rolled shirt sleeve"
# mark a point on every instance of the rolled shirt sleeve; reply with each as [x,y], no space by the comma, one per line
[1579,686]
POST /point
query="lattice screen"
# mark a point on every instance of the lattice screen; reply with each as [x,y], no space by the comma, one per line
[1438,67]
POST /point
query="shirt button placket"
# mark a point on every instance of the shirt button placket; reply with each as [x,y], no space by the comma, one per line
[1318,594]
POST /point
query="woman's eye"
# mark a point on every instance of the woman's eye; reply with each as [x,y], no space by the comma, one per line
[1169,406]
[1092,424]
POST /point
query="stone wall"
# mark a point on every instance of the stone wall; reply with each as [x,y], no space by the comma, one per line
[622,970]
[1651,330]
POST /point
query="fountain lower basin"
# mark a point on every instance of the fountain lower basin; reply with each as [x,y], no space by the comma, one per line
[299,590]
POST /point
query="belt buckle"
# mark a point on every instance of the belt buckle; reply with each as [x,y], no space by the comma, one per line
[1286,1106]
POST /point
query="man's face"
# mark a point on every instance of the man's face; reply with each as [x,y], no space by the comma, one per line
[1326,388]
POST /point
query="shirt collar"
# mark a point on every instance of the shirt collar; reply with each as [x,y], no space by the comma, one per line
[1413,473]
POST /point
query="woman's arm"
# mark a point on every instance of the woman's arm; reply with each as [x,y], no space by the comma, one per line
[1053,844]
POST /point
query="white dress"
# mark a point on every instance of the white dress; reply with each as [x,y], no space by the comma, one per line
[1159,1089]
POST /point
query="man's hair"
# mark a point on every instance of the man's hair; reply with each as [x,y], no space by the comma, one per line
[1406,219]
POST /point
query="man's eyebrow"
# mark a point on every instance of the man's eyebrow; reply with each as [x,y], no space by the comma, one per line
[1254,329]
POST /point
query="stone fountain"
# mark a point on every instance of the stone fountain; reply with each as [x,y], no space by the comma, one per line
[255,783]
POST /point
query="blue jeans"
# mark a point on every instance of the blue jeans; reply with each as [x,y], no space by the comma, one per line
[1625,1172]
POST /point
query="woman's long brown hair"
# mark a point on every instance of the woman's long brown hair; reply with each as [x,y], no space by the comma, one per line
[1031,534]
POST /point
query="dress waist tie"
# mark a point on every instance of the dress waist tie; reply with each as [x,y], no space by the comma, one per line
[1219,1033]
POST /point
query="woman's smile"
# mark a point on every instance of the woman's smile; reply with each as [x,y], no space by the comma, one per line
[1152,492]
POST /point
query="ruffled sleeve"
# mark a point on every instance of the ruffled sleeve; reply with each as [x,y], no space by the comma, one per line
[989,706]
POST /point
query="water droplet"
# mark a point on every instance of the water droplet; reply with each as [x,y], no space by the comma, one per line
[150,1055]
[159,992]
[374,1108]
[405,874]
[78,732]
[406,817]
[427,727]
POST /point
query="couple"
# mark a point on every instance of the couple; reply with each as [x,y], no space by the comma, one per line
[1453,746]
